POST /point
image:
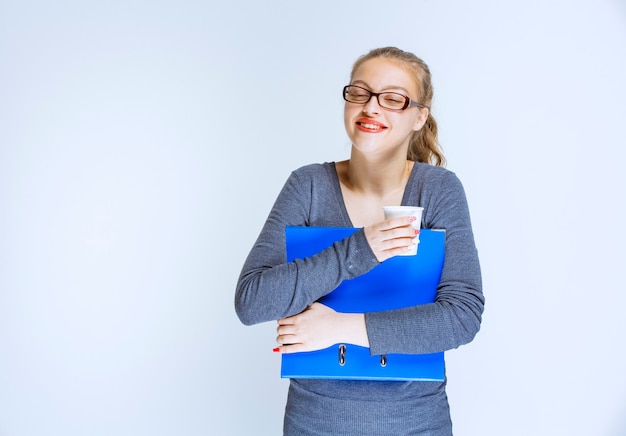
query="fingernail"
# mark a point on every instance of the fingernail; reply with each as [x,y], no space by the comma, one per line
[276,350]
[411,219]
[417,231]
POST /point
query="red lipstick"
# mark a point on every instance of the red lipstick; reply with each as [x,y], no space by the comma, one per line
[369,126]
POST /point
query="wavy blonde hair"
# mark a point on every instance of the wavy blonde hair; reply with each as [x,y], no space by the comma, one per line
[424,145]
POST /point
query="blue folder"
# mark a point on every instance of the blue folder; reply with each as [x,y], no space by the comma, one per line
[401,281]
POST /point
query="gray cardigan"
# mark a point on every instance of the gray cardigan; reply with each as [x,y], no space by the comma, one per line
[270,288]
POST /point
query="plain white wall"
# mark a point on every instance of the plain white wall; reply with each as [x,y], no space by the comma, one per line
[142,145]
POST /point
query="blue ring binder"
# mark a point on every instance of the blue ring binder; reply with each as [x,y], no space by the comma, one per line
[401,281]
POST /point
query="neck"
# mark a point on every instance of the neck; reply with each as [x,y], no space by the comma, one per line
[378,177]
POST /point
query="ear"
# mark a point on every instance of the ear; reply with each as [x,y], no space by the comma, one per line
[421,119]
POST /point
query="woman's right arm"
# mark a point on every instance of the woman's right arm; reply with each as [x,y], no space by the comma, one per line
[269,287]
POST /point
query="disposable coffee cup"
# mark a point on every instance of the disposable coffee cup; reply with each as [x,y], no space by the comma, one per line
[398,211]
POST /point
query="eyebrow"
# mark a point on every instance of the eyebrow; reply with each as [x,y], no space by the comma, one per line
[386,89]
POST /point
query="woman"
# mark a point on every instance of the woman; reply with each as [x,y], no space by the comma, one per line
[395,159]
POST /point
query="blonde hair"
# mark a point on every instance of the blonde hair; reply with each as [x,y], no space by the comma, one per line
[424,145]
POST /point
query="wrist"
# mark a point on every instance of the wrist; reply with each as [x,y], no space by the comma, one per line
[354,330]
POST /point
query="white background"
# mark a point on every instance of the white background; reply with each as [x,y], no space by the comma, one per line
[142,144]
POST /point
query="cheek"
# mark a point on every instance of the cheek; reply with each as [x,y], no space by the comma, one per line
[402,122]
[348,115]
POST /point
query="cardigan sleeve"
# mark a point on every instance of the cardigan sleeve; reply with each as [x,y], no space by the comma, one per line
[455,316]
[271,288]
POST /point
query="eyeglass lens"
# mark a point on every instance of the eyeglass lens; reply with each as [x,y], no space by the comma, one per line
[389,100]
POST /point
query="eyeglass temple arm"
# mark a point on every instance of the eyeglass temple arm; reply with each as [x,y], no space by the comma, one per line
[416,104]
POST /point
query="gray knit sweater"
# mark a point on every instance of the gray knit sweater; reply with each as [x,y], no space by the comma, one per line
[270,288]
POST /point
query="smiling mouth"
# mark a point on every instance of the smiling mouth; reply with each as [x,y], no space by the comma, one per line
[370,126]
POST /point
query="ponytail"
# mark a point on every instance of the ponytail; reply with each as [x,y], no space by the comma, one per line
[424,145]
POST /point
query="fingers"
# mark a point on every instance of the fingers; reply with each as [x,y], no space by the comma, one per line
[286,334]
[291,348]
[392,237]
[289,344]
[404,234]
[400,227]
[291,329]
[401,221]
[312,329]
[291,320]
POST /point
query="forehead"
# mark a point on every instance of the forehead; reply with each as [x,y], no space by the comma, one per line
[381,74]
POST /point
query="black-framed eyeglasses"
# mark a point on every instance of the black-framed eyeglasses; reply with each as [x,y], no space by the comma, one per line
[388,100]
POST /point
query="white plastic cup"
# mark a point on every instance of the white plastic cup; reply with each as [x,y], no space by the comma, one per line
[398,211]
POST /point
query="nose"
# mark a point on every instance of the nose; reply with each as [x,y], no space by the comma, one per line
[372,107]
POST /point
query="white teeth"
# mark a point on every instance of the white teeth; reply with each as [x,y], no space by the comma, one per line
[370,126]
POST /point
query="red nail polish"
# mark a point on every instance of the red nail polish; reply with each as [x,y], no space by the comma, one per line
[417,231]
[276,350]
[411,219]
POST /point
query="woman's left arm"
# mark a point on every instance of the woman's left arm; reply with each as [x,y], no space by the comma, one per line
[455,316]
